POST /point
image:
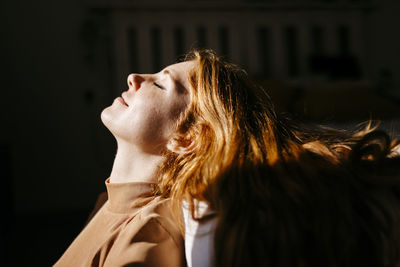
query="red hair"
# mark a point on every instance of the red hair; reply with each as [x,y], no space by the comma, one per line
[285,194]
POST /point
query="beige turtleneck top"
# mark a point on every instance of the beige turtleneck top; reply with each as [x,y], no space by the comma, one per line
[132,228]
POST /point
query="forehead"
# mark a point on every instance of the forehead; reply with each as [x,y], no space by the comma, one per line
[180,71]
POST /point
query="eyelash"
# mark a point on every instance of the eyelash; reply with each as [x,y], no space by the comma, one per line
[159,86]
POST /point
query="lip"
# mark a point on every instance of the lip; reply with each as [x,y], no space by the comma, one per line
[123,96]
[122,101]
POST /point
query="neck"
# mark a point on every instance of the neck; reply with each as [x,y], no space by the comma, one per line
[133,165]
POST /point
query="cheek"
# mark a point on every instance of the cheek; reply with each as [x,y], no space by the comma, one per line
[157,121]
[148,122]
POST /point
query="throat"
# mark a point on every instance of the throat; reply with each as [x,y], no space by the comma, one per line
[131,166]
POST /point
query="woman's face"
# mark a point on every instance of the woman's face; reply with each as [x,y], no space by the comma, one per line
[146,114]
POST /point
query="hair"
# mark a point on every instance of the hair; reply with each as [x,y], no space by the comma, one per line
[285,194]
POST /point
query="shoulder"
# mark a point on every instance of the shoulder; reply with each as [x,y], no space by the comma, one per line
[157,214]
[101,200]
[150,238]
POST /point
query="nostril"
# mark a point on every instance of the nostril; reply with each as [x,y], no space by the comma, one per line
[130,80]
[135,81]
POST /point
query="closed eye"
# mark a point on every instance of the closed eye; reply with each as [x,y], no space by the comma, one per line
[159,86]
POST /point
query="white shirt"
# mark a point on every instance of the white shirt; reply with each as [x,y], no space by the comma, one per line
[199,237]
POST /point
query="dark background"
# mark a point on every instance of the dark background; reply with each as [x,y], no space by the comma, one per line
[59,72]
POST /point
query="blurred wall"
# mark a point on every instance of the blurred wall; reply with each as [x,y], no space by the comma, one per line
[384,43]
[59,151]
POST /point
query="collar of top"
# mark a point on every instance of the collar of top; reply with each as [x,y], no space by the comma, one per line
[128,197]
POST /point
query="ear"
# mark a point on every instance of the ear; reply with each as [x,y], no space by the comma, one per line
[184,146]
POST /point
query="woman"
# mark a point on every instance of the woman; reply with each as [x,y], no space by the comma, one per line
[262,190]
[134,226]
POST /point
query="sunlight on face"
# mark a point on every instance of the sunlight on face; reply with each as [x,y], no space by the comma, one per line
[145,115]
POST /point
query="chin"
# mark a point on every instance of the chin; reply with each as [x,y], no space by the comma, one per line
[107,118]
[104,116]
[110,120]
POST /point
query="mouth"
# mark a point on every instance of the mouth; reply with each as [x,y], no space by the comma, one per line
[122,101]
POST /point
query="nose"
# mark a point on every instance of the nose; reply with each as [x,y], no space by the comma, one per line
[135,81]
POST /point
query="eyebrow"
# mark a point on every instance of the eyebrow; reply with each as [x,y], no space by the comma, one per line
[167,72]
[178,85]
